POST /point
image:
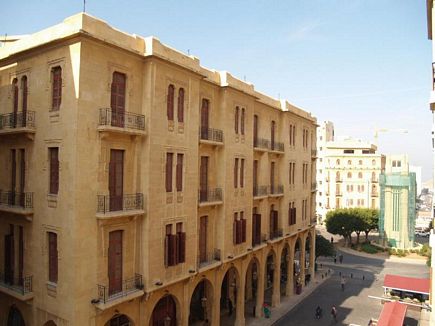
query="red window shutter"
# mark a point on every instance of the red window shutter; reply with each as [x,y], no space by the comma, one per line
[56,86]
[235,232]
[52,257]
[54,170]
[236,170]
[179,172]
[169,158]
[167,250]
[175,248]
[181,247]
[242,122]
[170,103]
[236,120]
[242,173]
[15,90]
[180,113]
[243,225]
[24,90]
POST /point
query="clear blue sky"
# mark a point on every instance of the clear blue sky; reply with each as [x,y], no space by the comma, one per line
[359,63]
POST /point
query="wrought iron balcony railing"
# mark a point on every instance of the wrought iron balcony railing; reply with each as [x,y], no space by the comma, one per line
[207,258]
[277,146]
[16,199]
[277,233]
[259,191]
[276,189]
[261,143]
[110,117]
[210,195]
[21,286]
[17,120]
[210,134]
[130,285]
[106,203]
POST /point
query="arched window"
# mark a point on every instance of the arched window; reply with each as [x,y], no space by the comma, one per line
[180,113]
[120,320]
[360,175]
[15,318]
[236,120]
[337,176]
[360,162]
[242,121]
[349,162]
[349,175]
[15,101]
[338,162]
[373,162]
[170,103]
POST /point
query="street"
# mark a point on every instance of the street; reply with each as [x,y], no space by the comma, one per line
[353,304]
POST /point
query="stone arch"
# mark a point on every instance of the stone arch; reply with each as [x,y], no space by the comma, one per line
[271,268]
[115,320]
[201,302]
[229,292]
[284,268]
[297,264]
[252,277]
[15,318]
[166,311]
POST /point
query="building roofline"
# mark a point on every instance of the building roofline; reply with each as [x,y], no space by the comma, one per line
[429,7]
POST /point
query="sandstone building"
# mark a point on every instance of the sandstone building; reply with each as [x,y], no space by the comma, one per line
[140,188]
[347,174]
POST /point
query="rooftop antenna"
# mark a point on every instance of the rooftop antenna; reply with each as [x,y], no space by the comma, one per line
[188,51]
[84,5]
[244,78]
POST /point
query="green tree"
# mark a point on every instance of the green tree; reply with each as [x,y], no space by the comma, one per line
[371,219]
[324,248]
[341,222]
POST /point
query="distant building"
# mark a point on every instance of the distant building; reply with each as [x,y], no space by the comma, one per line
[347,174]
[417,171]
[397,214]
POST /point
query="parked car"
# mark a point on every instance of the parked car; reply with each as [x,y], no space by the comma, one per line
[422,233]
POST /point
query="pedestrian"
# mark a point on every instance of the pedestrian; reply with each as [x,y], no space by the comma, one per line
[340,258]
[342,283]
[332,239]
[230,307]
[334,313]
[266,310]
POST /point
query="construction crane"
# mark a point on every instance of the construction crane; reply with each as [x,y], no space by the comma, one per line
[379,130]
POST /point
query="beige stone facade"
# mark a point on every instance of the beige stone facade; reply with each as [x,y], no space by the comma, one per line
[70,280]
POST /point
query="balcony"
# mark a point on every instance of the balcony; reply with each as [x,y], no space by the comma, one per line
[211,136]
[20,289]
[261,144]
[313,186]
[275,234]
[276,190]
[277,147]
[131,288]
[118,206]
[313,153]
[260,192]
[210,196]
[20,203]
[209,259]
[127,123]
[18,123]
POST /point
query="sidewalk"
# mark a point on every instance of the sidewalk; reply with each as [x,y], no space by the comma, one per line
[288,303]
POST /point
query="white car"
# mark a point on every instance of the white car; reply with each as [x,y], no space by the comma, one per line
[422,233]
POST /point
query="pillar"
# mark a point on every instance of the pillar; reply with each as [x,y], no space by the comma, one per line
[276,291]
[289,289]
[261,270]
[185,305]
[248,287]
[216,310]
[302,262]
[313,255]
[240,305]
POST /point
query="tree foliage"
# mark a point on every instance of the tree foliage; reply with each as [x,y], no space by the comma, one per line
[346,221]
[324,248]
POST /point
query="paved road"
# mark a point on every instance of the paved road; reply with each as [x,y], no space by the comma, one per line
[353,304]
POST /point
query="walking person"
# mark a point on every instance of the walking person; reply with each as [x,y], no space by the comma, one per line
[340,258]
[334,313]
[342,283]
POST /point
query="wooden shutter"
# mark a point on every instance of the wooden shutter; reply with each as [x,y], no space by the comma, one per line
[170,102]
[9,259]
[180,113]
[20,255]
[181,247]
[204,119]
[242,173]
[174,250]
[56,86]
[179,172]
[52,257]
[169,158]
[24,97]
[13,176]
[22,170]
[15,102]
[235,233]
[236,171]
[255,129]
[54,170]
[117,99]
[115,262]
[255,172]
[290,212]
[258,227]
[167,247]
[203,178]
[242,122]
[243,227]
[203,239]
[236,120]
[272,135]
[254,228]
[272,176]
[116,179]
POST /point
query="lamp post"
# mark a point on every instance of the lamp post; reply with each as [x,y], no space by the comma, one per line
[167,321]
[204,306]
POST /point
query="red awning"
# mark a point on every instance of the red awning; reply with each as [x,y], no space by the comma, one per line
[407,284]
[393,314]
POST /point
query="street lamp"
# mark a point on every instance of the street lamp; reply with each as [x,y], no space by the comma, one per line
[167,321]
[204,306]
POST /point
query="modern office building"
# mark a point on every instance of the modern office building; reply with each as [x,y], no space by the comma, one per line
[140,188]
[397,213]
[348,173]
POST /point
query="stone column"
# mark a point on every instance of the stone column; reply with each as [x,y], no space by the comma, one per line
[249,283]
[289,289]
[276,291]
[302,262]
[261,270]
[216,309]
[185,305]
[313,255]
[240,305]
